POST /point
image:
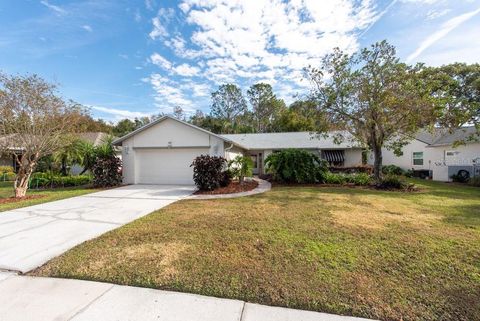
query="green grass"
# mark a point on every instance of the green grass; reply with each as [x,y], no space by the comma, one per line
[41,196]
[361,252]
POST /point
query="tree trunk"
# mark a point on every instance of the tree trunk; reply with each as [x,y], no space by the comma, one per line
[21,184]
[21,181]
[377,164]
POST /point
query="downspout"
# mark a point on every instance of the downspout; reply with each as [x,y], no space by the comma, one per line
[227,149]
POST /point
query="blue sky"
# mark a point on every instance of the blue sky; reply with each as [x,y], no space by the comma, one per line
[134,58]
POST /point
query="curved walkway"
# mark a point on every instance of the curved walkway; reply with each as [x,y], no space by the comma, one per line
[263,186]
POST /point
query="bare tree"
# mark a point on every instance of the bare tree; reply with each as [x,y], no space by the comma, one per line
[35,121]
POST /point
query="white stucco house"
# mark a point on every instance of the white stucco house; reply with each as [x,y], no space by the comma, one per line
[161,152]
[436,154]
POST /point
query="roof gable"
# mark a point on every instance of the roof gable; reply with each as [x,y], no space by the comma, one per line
[158,121]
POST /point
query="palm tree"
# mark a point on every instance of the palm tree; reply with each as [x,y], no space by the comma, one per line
[69,155]
[88,156]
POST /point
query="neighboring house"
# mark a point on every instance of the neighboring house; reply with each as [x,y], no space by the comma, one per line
[162,151]
[435,156]
[95,138]
[9,159]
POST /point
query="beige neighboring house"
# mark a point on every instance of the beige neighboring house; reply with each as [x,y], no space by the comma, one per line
[435,155]
[162,151]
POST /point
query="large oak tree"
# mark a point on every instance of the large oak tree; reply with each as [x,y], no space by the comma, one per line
[378,100]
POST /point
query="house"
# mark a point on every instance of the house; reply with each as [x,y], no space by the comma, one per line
[94,138]
[260,145]
[8,159]
[162,151]
[436,155]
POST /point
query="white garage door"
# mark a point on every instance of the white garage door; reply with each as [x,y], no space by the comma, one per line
[167,166]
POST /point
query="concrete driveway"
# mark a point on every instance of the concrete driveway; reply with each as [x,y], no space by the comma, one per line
[31,236]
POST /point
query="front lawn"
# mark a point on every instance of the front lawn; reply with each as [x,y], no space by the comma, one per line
[37,196]
[362,252]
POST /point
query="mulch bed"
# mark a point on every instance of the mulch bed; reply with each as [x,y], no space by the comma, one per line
[233,187]
[13,199]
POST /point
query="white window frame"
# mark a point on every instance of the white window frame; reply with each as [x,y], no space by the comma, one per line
[414,158]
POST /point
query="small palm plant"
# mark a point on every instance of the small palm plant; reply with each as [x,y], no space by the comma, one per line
[241,167]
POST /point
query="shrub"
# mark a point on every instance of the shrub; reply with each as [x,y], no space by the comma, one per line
[334,178]
[360,179]
[7,173]
[6,169]
[226,178]
[241,167]
[48,180]
[391,182]
[474,181]
[208,172]
[392,170]
[107,171]
[296,166]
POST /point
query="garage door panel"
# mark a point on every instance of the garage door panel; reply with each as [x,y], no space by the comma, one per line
[167,166]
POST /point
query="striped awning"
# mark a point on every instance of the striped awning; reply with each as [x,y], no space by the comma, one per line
[333,155]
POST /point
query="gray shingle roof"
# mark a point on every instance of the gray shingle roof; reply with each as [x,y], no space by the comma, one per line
[95,138]
[461,134]
[305,140]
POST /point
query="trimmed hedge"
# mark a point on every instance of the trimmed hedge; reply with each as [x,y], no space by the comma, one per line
[360,179]
[47,180]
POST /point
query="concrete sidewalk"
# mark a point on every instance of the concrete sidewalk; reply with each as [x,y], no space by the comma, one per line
[41,299]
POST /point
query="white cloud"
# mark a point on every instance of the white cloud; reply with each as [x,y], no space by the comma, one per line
[269,40]
[53,7]
[160,61]
[160,23]
[137,16]
[444,29]
[150,4]
[119,113]
[457,47]
[123,56]
[168,94]
[87,28]
[186,70]
[200,90]
[434,14]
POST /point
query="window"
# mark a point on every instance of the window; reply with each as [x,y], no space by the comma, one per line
[334,157]
[417,158]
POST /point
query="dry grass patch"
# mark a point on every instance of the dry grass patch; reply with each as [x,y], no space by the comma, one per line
[377,254]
